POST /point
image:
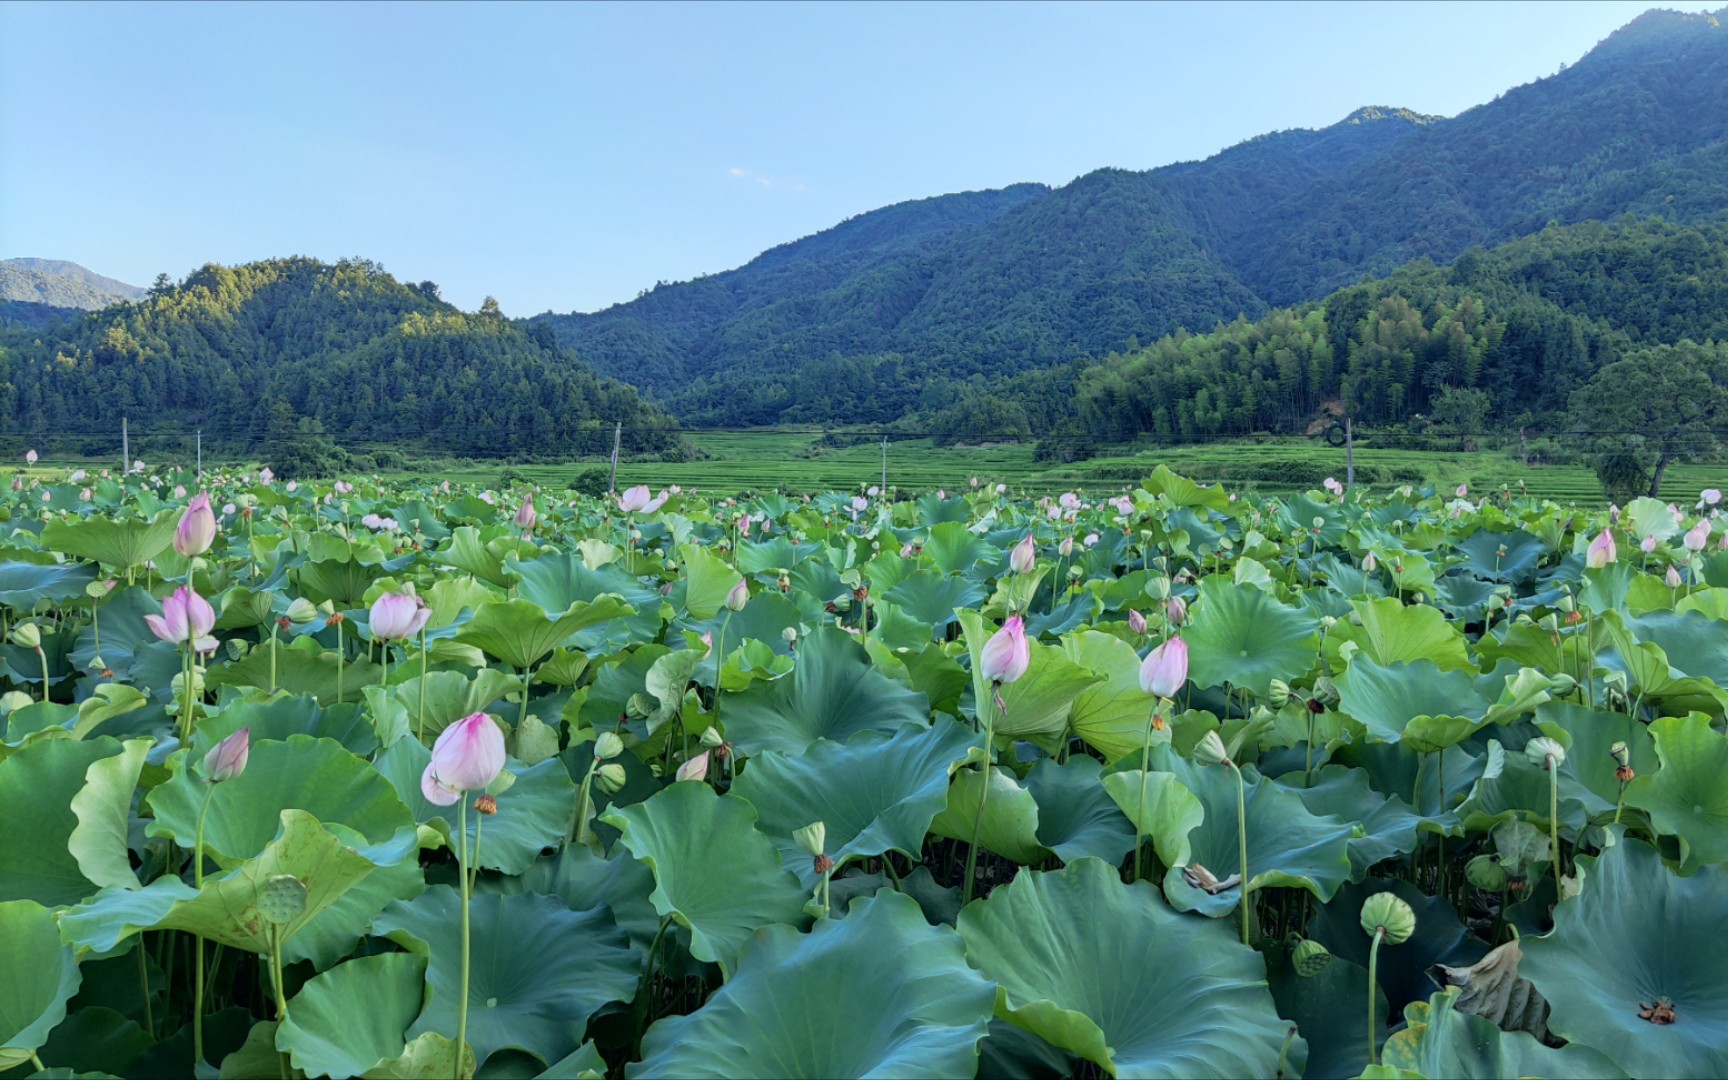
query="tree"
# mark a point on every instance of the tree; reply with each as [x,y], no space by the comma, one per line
[1658,406]
[1461,411]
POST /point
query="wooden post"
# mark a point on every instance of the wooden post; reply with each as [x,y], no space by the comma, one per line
[617,441]
[1523,449]
[125,448]
[1349,454]
[884,488]
[200,455]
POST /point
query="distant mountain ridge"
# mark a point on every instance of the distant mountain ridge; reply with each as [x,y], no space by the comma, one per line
[62,284]
[892,312]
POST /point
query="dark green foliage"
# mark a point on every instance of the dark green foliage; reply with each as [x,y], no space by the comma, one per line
[1660,405]
[291,355]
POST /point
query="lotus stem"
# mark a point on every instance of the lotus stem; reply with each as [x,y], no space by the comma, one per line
[1145,768]
[276,973]
[44,658]
[462,873]
[420,720]
[339,673]
[1373,976]
[1242,845]
[197,939]
[719,671]
[1554,818]
[144,989]
[272,657]
[989,712]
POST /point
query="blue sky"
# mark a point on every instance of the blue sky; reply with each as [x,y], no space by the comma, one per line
[567,156]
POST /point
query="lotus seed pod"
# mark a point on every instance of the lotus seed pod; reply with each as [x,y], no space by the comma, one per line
[789,635]
[1386,911]
[27,636]
[1567,605]
[813,838]
[1485,872]
[1325,691]
[1621,753]
[1278,694]
[612,777]
[1540,750]
[712,739]
[1561,685]
[608,746]
[96,590]
[1310,958]
[282,899]
[13,700]
[639,707]
[1210,750]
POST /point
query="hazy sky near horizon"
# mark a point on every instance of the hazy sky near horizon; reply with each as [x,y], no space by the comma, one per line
[566,156]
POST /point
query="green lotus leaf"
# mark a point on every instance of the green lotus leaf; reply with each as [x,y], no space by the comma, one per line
[583,1063]
[426,1057]
[584,880]
[1692,641]
[557,582]
[126,637]
[535,813]
[1037,704]
[313,775]
[1411,700]
[1010,826]
[1634,938]
[23,584]
[538,969]
[450,696]
[342,581]
[468,553]
[1440,1040]
[1588,736]
[1182,491]
[41,977]
[1164,811]
[1652,675]
[1244,637]
[94,1040]
[1111,715]
[954,549]
[257,1058]
[876,793]
[1076,816]
[1645,516]
[931,598]
[1388,826]
[37,786]
[706,579]
[1511,787]
[713,871]
[1501,556]
[520,634]
[302,667]
[1403,969]
[1327,1008]
[104,810]
[352,1017]
[1110,972]
[1392,633]
[276,718]
[911,1007]
[833,693]
[1686,797]
[123,543]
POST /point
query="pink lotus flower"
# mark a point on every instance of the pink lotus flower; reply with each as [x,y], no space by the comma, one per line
[186,616]
[1697,536]
[1007,655]
[1023,556]
[86,495]
[738,596]
[1463,490]
[1066,547]
[197,528]
[635,500]
[1091,539]
[694,769]
[1601,550]
[30,458]
[1136,621]
[179,491]
[872,491]
[526,515]
[468,756]
[227,759]
[1647,545]
[398,616]
[859,505]
[265,475]
[1370,563]
[1165,669]
[1069,501]
[1001,489]
[1613,514]
[1709,497]
[1672,577]
[1332,485]
[1176,611]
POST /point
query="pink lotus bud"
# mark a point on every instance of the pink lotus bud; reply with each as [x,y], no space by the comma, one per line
[859,504]
[744,526]
[265,475]
[31,458]
[1601,551]
[398,616]
[1023,556]
[1370,563]
[1066,547]
[186,616]
[1091,539]
[1176,612]
[1709,497]
[179,491]
[739,596]
[708,641]
[635,500]
[468,756]
[1069,501]
[974,481]
[1646,545]
[1332,485]
[694,769]
[1136,621]
[1165,668]
[1672,577]
[675,489]
[872,491]
[293,486]
[86,495]
[1007,655]
[941,493]
[229,509]
[197,528]
[1463,490]
[906,550]
[1697,536]
[526,515]
[1613,514]
[77,476]
[1001,489]
[227,759]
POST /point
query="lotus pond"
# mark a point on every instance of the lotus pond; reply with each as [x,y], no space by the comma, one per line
[375,780]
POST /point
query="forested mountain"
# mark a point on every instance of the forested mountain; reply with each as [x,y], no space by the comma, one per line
[902,309]
[270,350]
[37,292]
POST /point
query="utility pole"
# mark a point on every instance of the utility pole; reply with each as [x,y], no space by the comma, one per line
[1523,449]
[617,441]
[125,448]
[884,488]
[1349,454]
[200,455]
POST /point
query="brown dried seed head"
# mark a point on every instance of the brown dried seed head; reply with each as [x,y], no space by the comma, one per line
[1624,773]
[486,804]
[824,864]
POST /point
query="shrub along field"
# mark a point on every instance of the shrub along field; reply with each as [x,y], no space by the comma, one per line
[401,779]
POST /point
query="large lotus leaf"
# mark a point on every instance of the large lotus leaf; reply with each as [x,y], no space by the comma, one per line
[41,977]
[535,813]
[1652,675]
[761,625]
[1110,972]
[312,775]
[538,969]
[557,582]
[1637,936]
[1439,1040]
[1386,825]
[1163,810]
[468,553]
[333,935]
[584,880]
[450,696]
[104,810]
[23,584]
[1687,797]
[1439,938]
[1327,1009]
[94,1041]
[1110,716]
[772,556]
[875,794]
[954,549]
[1646,516]
[352,1017]
[301,667]
[834,692]
[911,1006]
[1076,816]
[276,718]
[1589,736]
[1442,707]
[1391,632]
[1501,556]
[583,1063]
[1184,492]
[1694,643]
[1010,827]
[341,581]
[707,579]
[520,634]
[1511,786]
[123,543]
[713,871]
[932,598]
[1036,704]
[37,786]
[1244,637]
[124,633]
